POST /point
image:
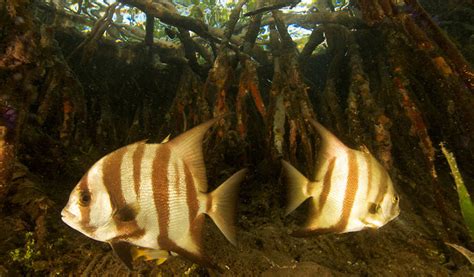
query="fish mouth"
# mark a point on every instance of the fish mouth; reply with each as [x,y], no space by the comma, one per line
[68,218]
[65,214]
[74,222]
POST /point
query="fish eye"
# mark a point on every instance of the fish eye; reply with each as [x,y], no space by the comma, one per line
[374,208]
[395,199]
[84,198]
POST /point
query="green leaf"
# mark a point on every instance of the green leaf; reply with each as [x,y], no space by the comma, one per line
[465,202]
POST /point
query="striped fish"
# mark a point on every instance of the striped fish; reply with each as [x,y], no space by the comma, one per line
[151,199]
[352,190]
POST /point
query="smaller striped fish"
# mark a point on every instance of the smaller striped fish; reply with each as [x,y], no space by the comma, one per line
[352,190]
[150,200]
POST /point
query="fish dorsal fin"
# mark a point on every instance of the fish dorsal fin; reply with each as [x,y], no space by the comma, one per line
[363,148]
[143,141]
[331,145]
[188,146]
[165,140]
[124,251]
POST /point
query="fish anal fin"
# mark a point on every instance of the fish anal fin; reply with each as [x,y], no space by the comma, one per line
[188,248]
[123,250]
[317,225]
[188,145]
[222,204]
[201,258]
[191,241]
[297,186]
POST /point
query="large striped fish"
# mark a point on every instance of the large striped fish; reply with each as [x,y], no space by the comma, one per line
[351,190]
[153,196]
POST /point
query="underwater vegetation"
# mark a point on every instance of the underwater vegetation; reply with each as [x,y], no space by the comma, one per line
[26,255]
[465,200]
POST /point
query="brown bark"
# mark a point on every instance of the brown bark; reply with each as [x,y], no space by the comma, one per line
[150,28]
[331,102]
[315,39]
[463,68]
[7,161]
[289,102]
[248,81]
[368,124]
[89,45]
[166,12]
[20,44]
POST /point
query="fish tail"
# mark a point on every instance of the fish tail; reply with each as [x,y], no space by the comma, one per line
[221,204]
[297,184]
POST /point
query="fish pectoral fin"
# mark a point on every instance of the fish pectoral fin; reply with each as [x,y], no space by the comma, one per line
[127,213]
[123,250]
[374,208]
[150,254]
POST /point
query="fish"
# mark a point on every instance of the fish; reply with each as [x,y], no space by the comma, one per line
[351,190]
[151,199]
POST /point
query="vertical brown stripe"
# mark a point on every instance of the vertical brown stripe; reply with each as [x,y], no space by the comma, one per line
[352,186]
[124,217]
[111,176]
[85,211]
[368,161]
[349,197]
[191,199]
[137,166]
[326,186]
[315,212]
[177,178]
[160,184]
[83,185]
[383,185]
[351,189]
